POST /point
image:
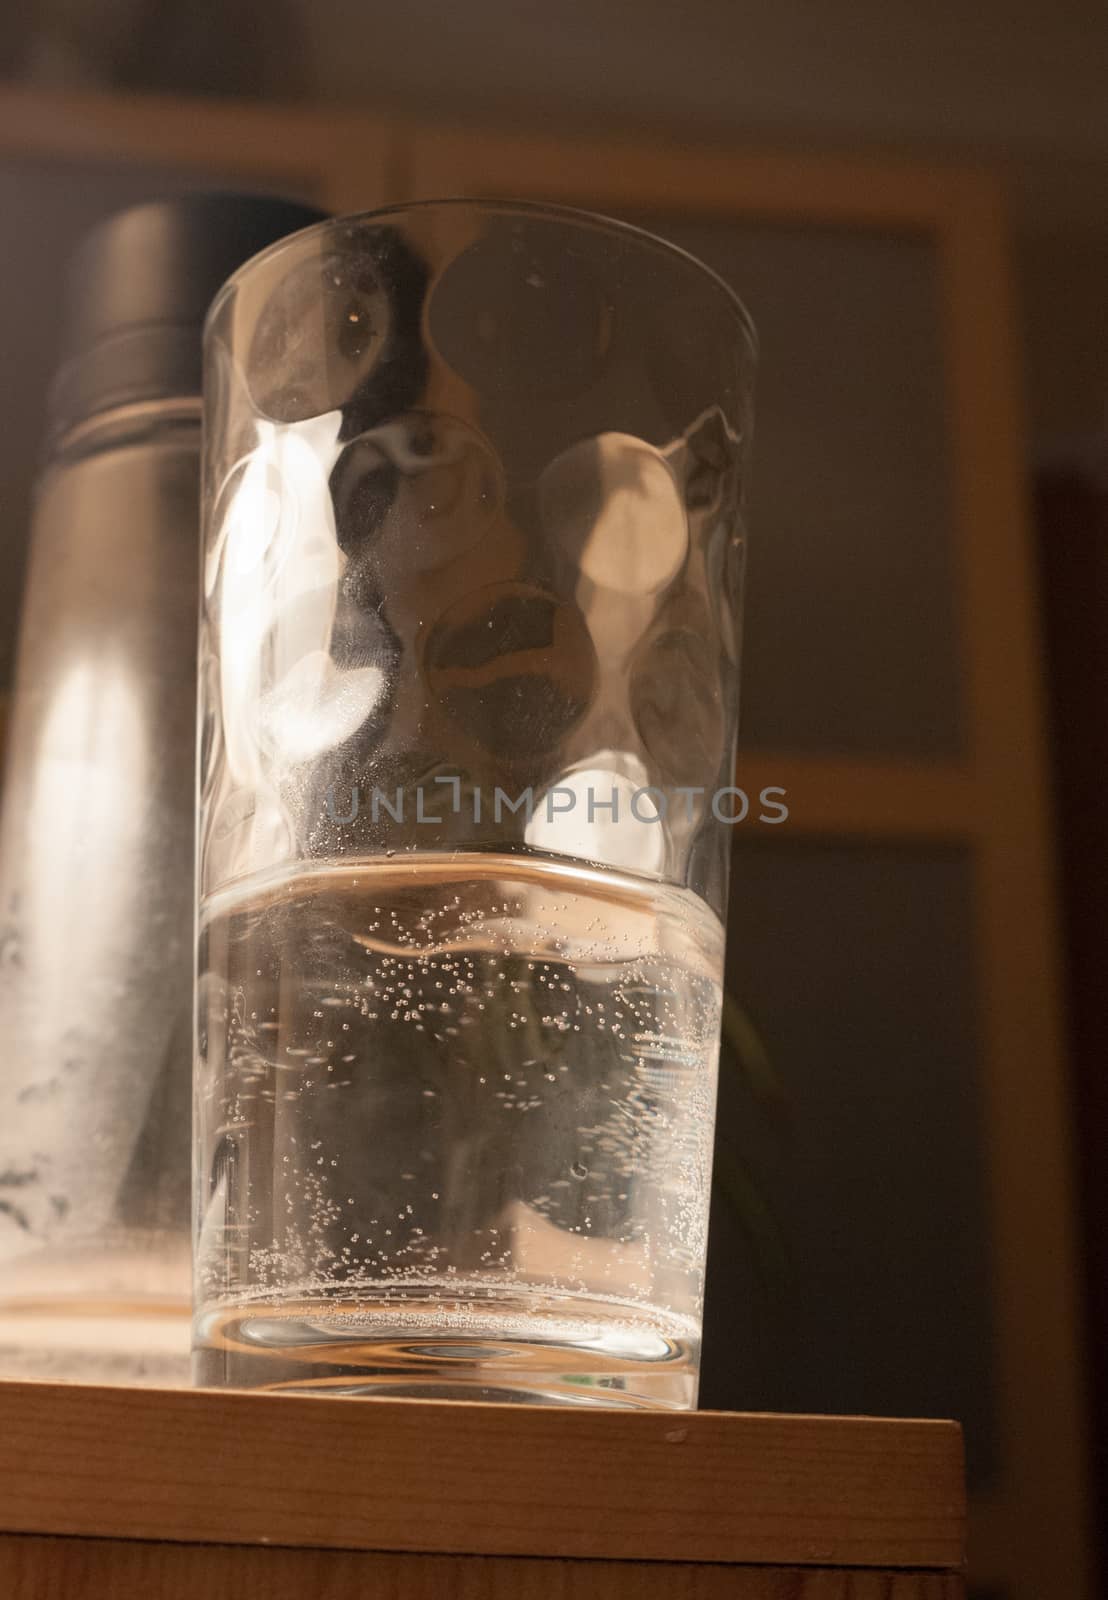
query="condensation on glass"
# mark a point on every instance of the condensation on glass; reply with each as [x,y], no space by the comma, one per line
[97,825]
[469,661]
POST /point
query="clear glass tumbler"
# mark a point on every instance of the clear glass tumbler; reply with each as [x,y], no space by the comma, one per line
[469,673]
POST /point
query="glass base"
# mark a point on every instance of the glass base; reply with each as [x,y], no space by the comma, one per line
[470,1346]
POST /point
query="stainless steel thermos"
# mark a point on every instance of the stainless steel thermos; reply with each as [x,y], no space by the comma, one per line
[96,832]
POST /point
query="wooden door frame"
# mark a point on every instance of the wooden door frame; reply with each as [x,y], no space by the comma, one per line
[341,158]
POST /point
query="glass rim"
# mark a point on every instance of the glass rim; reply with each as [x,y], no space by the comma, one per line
[578,216]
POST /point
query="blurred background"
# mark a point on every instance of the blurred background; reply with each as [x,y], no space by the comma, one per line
[913,202]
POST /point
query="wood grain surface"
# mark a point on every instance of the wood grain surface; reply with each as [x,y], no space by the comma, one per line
[108,1569]
[227,1467]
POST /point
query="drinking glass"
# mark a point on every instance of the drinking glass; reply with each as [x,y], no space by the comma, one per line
[469,670]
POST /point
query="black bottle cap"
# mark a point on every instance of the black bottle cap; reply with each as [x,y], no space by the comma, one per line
[139,287]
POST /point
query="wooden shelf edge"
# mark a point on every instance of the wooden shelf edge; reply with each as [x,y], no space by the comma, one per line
[33,1567]
[404,1475]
